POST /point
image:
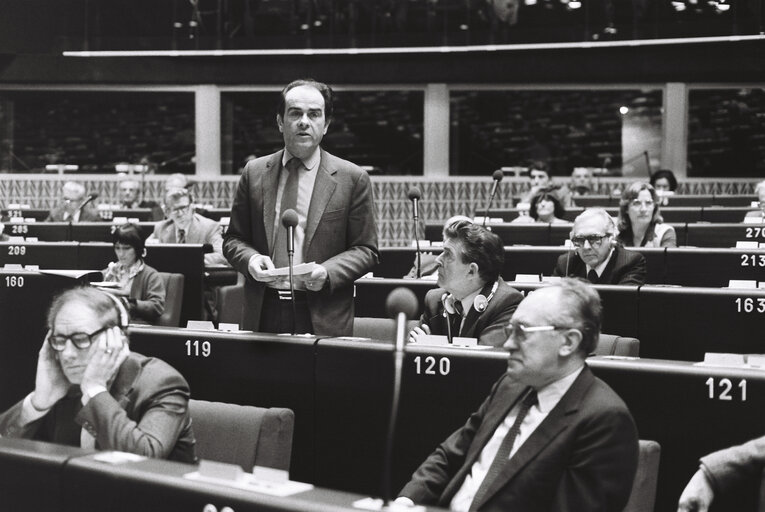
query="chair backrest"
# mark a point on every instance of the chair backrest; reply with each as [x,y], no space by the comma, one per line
[242,434]
[171,317]
[611,345]
[378,328]
[643,493]
[229,300]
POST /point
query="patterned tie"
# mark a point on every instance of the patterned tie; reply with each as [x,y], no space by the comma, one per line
[592,276]
[289,201]
[506,447]
[181,236]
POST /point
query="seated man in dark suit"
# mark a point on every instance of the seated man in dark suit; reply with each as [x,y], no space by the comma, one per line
[720,471]
[74,206]
[472,299]
[598,258]
[183,226]
[550,436]
[91,391]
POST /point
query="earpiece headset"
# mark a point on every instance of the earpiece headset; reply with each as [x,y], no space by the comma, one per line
[480,303]
[122,313]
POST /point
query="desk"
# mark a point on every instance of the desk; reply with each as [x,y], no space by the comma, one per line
[50,255]
[712,267]
[24,300]
[729,214]
[248,369]
[102,231]
[39,214]
[44,231]
[724,235]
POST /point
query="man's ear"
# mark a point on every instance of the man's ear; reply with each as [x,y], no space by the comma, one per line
[572,338]
[280,123]
[326,125]
[473,269]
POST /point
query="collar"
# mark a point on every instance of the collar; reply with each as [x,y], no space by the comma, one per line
[600,268]
[550,395]
[309,163]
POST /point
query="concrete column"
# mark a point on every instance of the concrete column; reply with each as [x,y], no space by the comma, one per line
[208,131]
[436,131]
[674,154]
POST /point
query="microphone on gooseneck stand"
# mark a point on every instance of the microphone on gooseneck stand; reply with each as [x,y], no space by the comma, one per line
[414,196]
[289,221]
[87,200]
[497,177]
[401,304]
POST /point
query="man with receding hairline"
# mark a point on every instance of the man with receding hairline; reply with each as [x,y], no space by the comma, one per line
[73,195]
[550,436]
[598,257]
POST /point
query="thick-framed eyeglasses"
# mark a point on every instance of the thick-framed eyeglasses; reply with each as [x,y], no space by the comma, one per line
[180,210]
[80,340]
[520,332]
[637,203]
[594,240]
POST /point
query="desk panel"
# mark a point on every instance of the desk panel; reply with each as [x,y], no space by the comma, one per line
[690,200]
[102,231]
[690,411]
[24,300]
[681,214]
[31,474]
[370,294]
[48,255]
[684,323]
[600,200]
[713,267]
[733,200]
[142,214]
[186,259]
[718,214]
[723,235]
[511,234]
[249,369]
[39,214]
[44,231]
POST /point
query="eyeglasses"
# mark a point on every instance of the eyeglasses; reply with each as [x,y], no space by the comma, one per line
[80,340]
[520,332]
[178,210]
[594,240]
[637,203]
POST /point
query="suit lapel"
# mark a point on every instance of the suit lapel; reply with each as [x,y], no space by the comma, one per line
[556,421]
[607,274]
[268,191]
[473,316]
[323,188]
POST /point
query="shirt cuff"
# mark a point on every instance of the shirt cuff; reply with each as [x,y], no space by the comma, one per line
[29,412]
[95,390]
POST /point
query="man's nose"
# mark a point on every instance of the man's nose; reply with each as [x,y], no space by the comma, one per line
[70,351]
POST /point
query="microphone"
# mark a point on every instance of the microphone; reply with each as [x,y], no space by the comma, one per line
[88,199]
[401,304]
[497,177]
[414,196]
[289,221]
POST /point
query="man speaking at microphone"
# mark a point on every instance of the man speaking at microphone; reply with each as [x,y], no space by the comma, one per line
[472,300]
[336,225]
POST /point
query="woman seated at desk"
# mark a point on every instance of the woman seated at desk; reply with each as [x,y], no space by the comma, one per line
[139,285]
[544,207]
[640,224]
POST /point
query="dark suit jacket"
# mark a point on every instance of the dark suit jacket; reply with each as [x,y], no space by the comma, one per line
[486,326]
[727,467]
[146,411]
[340,234]
[583,456]
[625,267]
[88,214]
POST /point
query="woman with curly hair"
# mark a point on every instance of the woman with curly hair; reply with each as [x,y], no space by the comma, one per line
[640,224]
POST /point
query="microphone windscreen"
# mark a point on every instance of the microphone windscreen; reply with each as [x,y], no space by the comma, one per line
[414,193]
[401,300]
[289,218]
[498,175]
[94,196]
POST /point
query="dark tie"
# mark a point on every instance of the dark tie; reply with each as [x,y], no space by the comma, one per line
[592,277]
[458,317]
[289,201]
[181,236]
[506,447]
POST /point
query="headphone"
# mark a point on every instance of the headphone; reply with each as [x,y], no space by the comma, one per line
[480,303]
[122,313]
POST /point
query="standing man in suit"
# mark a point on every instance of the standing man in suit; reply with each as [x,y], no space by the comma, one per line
[550,436]
[598,258]
[183,226]
[472,299]
[336,224]
[71,208]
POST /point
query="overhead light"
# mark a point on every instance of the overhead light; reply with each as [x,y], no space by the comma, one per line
[679,6]
[623,110]
[574,4]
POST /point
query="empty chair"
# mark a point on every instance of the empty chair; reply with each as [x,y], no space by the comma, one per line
[242,434]
[171,317]
[611,345]
[643,493]
[229,303]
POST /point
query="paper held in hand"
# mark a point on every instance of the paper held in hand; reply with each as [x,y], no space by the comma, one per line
[297,270]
